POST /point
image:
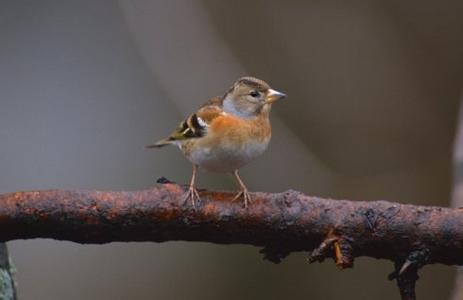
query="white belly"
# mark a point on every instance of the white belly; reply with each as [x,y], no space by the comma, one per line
[223,158]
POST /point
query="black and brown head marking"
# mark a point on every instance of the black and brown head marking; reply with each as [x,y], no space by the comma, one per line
[252,82]
[256,83]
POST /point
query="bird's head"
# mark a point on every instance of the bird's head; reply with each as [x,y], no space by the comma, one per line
[249,97]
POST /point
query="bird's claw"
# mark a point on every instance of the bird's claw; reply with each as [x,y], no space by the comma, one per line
[246,197]
[192,195]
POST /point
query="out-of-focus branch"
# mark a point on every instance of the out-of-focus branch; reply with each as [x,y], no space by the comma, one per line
[7,283]
[409,235]
[457,193]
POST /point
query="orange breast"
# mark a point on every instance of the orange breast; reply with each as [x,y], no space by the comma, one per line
[231,129]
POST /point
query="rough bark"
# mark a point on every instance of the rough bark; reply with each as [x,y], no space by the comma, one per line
[281,223]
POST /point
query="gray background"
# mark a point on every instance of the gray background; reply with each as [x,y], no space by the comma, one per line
[373,92]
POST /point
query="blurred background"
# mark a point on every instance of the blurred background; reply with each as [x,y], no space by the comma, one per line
[374,89]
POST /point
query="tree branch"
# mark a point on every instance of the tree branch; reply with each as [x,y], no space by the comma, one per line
[409,235]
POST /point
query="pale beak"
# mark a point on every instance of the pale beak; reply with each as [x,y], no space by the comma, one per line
[273,96]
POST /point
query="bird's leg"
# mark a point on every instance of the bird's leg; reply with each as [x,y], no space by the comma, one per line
[192,193]
[243,192]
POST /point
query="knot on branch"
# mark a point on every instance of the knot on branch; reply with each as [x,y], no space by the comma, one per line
[336,246]
[275,253]
[164,180]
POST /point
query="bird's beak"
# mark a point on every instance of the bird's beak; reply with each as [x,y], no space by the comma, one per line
[273,96]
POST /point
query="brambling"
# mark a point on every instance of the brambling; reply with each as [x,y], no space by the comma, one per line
[226,132]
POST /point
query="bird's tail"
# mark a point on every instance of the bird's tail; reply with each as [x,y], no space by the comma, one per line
[161,143]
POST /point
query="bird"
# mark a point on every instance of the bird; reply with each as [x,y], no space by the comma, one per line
[226,132]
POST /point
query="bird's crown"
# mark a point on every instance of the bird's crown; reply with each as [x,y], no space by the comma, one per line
[253,82]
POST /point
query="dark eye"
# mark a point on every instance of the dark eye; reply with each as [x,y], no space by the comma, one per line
[254,94]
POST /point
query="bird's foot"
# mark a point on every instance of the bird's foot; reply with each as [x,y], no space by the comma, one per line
[246,197]
[192,195]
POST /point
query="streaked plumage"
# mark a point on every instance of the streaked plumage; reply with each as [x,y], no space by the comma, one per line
[227,132]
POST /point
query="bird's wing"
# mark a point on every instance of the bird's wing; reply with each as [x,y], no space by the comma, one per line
[195,125]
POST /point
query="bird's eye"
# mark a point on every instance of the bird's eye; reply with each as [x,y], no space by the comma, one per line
[254,94]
